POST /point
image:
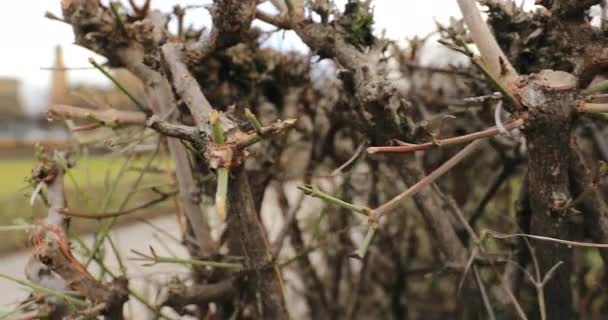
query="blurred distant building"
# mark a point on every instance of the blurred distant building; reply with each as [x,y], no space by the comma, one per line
[18,128]
[88,96]
[10,104]
[14,123]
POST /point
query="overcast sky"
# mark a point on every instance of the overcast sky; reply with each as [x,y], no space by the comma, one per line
[28,39]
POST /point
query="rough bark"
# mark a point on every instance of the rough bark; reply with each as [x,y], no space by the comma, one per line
[180,296]
[569,9]
[161,101]
[247,237]
[231,21]
[53,265]
[550,97]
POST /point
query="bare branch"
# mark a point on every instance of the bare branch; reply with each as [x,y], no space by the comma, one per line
[178,295]
[107,117]
[496,61]
[231,20]
[52,250]
[188,89]
[408,147]
[447,166]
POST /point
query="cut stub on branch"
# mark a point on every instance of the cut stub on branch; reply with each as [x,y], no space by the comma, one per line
[549,99]
[52,249]
[232,153]
[52,264]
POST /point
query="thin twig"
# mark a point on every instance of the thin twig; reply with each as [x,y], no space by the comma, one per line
[117,17]
[498,118]
[350,160]
[223,175]
[290,218]
[369,237]
[137,103]
[393,203]
[317,193]
[107,117]
[26,227]
[435,69]
[154,259]
[484,294]
[408,147]
[66,68]
[62,295]
[71,213]
[499,235]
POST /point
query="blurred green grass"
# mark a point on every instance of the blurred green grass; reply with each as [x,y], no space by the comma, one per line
[97,183]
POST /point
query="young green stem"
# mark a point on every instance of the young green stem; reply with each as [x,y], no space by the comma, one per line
[137,103]
[254,121]
[597,88]
[593,107]
[119,21]
[315,192]
[369,237]
[223,175]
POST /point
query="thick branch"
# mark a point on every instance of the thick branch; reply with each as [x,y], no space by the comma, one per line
[179,296]
[52,249]
[550,97]
[231,20]
[188,89]
[494,59]
[247,237]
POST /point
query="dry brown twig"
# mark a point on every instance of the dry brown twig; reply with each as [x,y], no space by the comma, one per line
[53,253]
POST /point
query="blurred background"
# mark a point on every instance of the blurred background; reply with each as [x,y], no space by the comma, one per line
[40,66]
